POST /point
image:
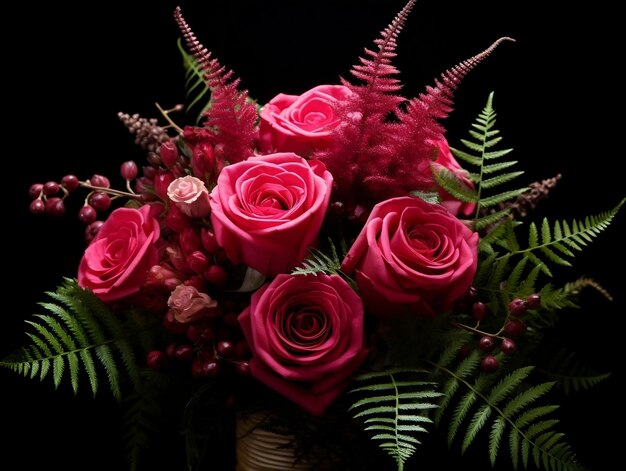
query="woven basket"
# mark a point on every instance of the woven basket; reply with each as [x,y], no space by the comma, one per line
[261,450]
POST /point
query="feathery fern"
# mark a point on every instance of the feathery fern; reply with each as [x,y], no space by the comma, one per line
[506,406]
[78,335]
[198,94]
[319,262]
[394,409]
[571,374]
[555,243]
[489,174]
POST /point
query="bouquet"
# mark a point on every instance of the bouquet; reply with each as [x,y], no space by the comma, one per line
[326,261]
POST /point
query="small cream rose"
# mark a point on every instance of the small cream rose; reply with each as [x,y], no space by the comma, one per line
[190,195]
[189,305]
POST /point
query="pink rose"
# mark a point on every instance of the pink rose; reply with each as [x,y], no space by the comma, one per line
[412,256]
[446,160]
[190,195]
[189,305]
[306,336]
[116,263]
[267,211]
[301,124]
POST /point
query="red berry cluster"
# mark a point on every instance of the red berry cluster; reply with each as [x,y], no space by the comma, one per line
[49,198]
[513,327]
[207,347]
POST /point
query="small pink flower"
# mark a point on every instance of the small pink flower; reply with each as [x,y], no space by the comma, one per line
[189,305]
[190,195]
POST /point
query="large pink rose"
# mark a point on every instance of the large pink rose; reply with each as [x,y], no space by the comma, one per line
[301,124]
[306,336]
[116,263]
[446,160]
[267,211]
[412,256]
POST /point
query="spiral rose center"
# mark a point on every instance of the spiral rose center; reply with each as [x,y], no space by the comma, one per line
[303,328]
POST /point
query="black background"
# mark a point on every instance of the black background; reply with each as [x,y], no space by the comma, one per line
[67,71]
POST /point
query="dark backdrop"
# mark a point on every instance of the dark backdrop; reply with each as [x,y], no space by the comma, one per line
[67,71]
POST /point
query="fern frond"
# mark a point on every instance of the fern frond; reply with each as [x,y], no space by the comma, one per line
[197,92]
[481,153]
[561,237]
[77,333]
[393,405]
[570,374]
[506,406]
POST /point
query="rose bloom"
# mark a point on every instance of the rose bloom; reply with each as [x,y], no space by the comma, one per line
[300,124]
[446,160]
[190,195]
[116,263]
[306,336]
[190,305]
[267,211]
[412,256]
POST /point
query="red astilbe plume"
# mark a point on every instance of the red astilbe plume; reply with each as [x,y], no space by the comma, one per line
[419,127]
[364,144]
[231,119]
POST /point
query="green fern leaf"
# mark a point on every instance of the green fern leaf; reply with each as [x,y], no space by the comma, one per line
[509,408]
[197,92]
[65,340]
[571,374]
[394,405]
[481,152]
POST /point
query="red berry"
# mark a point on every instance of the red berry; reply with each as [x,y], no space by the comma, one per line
[472,294]
[464,351]
[184,352]
[87,214]
[92,230]
[37,206]
[70,182]
[35,190]
[478,310]
[533,301]
[486,343]
[100,201]
[100,180]
[204,369]
[156,360]
[170,350]
[518,307]
[508,346]
[489,364]
[207,334]
[193,333]
[129,170]
[209,242]
[216,275]
[169,153]
[225,349]
[198,262]
[514,328]
[50,188]
[55,206]
[242,368]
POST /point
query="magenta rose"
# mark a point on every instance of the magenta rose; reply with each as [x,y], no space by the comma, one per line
[412,256]
[306,336]
[446,160]
[267,211]
[190,195]
[116,263]
[301,124]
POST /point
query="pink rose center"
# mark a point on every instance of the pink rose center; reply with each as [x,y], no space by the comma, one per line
[272,195]
[316,115]
[300,329]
